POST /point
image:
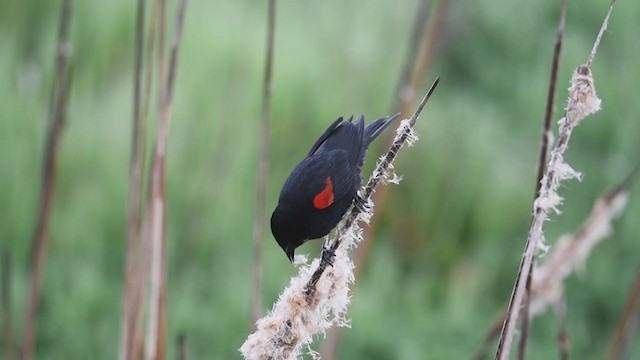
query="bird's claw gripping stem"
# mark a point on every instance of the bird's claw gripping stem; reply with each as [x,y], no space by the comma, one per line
[361,204]
[328,255]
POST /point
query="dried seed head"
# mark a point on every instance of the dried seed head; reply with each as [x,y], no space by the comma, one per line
[583,100]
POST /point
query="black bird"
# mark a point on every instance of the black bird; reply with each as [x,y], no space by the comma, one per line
[321,188]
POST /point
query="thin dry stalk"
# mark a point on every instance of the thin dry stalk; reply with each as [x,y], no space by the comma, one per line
[129,316]
[625,332]
[140,267]
[182,347]
[564,344]
[136,169]
[153,232]
[524,322]
[56,120]
[420,51]
[582,103]
[406,99]
[491,335]
[317,299]
[542,160]
[416,43]
[155,219]
[551,98]
[6,305]
[263,169]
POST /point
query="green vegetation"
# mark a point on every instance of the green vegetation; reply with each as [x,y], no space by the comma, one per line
[446,253]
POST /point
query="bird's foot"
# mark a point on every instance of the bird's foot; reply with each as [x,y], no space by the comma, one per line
[361,204]
[328,256]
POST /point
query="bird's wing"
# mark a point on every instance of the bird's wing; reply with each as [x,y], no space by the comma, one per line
[325,135]
[345,178]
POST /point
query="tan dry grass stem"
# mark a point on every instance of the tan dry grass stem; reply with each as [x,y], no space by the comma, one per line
[542,161]
[56,120]
[156,209]
[627,327]
[263,167]
[130,317]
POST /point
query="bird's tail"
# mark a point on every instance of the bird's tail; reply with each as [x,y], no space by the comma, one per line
[375,128]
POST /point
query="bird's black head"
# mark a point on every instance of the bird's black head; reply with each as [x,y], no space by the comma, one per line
[288,227]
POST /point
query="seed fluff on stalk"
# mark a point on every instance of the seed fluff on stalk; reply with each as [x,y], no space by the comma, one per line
[318,297]
[582,102]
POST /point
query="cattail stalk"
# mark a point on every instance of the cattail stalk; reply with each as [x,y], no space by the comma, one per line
[542,161]
[317,299]
[582,103]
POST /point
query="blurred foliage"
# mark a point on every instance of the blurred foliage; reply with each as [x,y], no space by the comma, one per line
[451,236]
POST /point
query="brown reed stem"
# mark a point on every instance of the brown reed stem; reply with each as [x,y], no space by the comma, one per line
[407,96]
[182,347]
[563,337]
[491,335]
[263,168]
[141,261]
[542,161]
[56,121]
[7,310]
[625,332]
[132,284]
[156,210]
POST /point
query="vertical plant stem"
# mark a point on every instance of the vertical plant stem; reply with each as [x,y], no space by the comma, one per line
[551,97]
[418,37]
[132,284]
[524,314]
[138,136]
[6,304]
[154,222]
[542,161]
[263,168]
[527,259]
[141,266]
[56,120]
[420,66]
[627,327]
[491,335]
[563,337]
[182,346]
[156,218]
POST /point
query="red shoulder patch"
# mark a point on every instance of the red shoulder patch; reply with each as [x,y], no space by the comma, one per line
[325,197]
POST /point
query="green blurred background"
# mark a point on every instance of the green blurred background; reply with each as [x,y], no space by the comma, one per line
[450,239]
